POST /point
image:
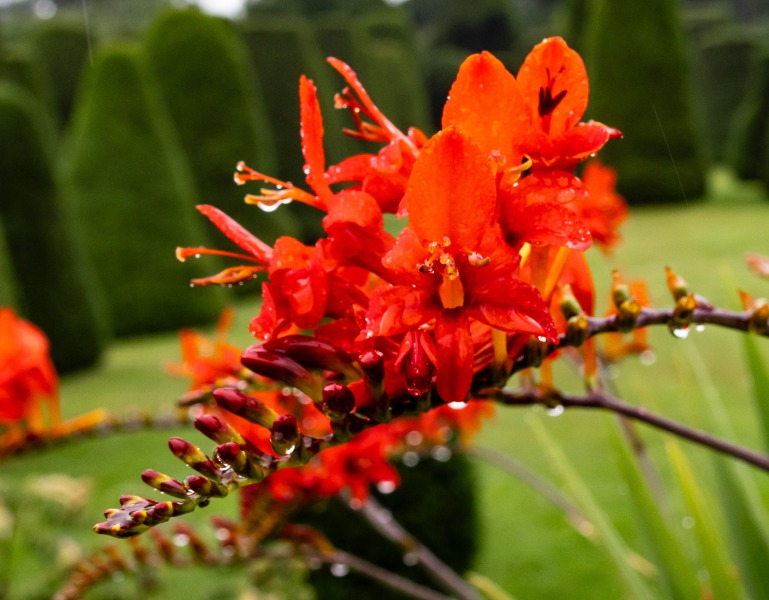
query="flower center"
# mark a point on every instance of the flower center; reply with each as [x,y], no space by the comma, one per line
[443,262]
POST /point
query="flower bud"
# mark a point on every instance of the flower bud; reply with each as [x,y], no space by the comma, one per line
[372,363]
[194,457]
[338,401]
[164,483]
[245,406]
[214,428]
[280,368]
[205,487]
[676,284]
[313,353]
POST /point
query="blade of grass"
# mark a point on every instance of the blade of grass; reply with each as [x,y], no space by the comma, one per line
[744,512]
[609,538]
[759,376]
[723,574]
[664,546]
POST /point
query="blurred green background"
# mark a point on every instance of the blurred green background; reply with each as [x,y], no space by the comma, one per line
[116,118]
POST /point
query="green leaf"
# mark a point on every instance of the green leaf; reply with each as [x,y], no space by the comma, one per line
[621,556]
[744,511]
[665,548]
[723,574]
[759,376]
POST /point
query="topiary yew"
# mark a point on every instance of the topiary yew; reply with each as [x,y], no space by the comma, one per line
[133,195]
[202,71]
[53,285]
[661,158]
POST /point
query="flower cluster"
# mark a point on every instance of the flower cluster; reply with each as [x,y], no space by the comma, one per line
[28,380]
[403,330]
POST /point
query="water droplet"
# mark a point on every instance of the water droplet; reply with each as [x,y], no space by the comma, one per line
[541,338]
[306,171]
[700,327]
[410,459]
[222,534]
[680,332]
[385,487]
[440,453]
[414,438]
[339,570]
[410,559]
[457,405]
[555,411]
[181,539]
[648,358]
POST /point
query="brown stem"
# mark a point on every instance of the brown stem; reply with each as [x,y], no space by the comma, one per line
[382,520]
[598,399]
[739,321]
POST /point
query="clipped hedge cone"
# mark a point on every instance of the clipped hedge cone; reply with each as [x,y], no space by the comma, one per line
[640,83]
[54,288]
[215,102]
[749,144]
[62,50]
[133,194]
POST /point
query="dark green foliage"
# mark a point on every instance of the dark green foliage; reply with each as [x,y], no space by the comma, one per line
[749,149]
[17,66]
[63,50]
[281,49]
[571,22]
[54,289]
[479,25]
[8,292]
[202,71]
[441,72]
[313,6]
[724,62]
[436,502]
[393,73]
[640,83]
[133,195]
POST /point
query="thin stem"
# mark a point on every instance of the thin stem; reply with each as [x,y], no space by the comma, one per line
[602,400]
[739,321]
[372,571]
[382,520]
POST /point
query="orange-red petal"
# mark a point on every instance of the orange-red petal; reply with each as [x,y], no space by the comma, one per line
[486,104]
[554,67]
[452,191]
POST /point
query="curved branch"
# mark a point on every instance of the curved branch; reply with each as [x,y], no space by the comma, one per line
[383,576]
[382,520]
[739,321]
[602,400]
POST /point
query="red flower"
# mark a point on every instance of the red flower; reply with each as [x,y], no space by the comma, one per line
[604,209]
[450,265]
[554,85]
[27,374]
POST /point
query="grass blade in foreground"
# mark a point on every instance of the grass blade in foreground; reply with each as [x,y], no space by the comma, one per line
[610,540]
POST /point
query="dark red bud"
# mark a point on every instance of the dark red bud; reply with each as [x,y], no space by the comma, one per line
[194,457]
[216,429]
[338,400]
[372,363]
[164,483]
[245,406]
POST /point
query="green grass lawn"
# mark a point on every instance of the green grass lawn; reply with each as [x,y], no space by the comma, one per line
[528,547]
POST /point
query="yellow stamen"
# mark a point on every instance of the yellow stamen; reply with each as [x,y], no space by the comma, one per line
[525,252]
[452,292]
[555,271]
